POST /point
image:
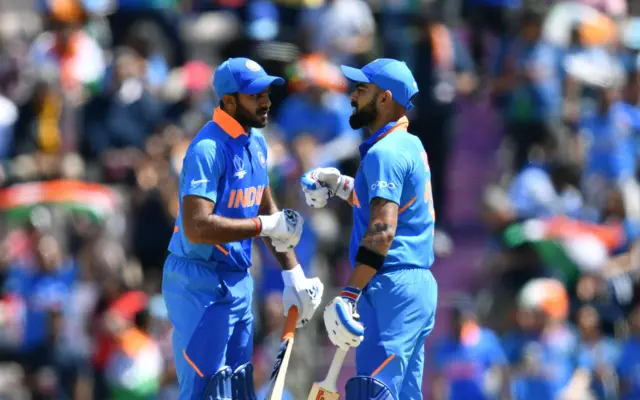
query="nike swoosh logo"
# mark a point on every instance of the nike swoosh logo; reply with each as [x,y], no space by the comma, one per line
[194,182]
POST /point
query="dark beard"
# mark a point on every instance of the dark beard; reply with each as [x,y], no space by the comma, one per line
[365,116]
[245,118]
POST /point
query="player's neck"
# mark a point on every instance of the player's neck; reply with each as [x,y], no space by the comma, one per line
[383,120]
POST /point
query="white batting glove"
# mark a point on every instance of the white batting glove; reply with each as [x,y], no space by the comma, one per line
[342,321]
[284,228]
[320,184]
[302,292]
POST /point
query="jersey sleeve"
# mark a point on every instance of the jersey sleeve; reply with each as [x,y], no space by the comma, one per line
[384,173]
[202,169]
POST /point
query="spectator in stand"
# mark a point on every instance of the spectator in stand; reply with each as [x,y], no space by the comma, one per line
[469,361]
[444,71]
[135,367]
[8,118]
[629,361]
[527,84]
[44,286]
[342,29]
[69,53]
[608,135]
[52,372]
[315,119]
[497,17]
[118,122]
[543,188]
[542,349]
[597,358]
[115,310]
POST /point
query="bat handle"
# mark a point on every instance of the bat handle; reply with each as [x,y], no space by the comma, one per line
[334,369]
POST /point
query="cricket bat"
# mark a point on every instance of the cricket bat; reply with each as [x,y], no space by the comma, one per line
[282,361]
[327,389]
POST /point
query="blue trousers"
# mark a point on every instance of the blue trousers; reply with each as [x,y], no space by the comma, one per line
[398,311]
[209,306]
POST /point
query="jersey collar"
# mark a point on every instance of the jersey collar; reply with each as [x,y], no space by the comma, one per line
[401,124]
[228,124]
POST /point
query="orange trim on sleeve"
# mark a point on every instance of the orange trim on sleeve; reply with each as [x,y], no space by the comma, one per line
[353,199]
[222,249]
[409,203]
[228,123]
[186,357]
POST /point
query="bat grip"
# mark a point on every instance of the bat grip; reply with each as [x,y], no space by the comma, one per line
[290,323]
[334,369]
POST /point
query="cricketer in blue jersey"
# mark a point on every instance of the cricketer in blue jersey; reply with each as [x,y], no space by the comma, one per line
[225,202]
[391,243]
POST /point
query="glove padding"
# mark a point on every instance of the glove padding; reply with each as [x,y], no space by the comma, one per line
[302,292]
[320,184]
[341,322]
[283,245]
[284,228]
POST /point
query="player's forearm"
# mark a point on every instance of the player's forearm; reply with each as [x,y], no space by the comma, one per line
[215,229]
[286,260]
[377,239]
[379,235]
[360,276]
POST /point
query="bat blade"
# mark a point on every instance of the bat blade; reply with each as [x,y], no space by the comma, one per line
[327,389]
[318,393]
[282,360]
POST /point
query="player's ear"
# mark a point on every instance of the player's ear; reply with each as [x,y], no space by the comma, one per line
[230,103]
[385,97]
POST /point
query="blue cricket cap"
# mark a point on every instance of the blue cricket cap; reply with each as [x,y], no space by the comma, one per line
[387,74]
[242,75]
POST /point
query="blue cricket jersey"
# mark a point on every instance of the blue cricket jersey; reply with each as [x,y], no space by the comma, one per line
[394,166]
[465,363]
[611,141]
[229,167]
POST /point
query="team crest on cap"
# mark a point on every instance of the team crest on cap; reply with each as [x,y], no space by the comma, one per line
[252,66]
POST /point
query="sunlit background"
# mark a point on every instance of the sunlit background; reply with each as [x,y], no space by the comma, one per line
[529,113]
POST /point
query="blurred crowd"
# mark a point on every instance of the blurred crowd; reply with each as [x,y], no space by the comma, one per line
[100,98]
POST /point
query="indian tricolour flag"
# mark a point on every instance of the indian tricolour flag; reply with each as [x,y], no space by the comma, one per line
[92,199]
[566,245]
[134,370]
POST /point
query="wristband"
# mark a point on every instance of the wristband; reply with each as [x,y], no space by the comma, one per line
[292,276]
[258,225]
[370,258]
[351,293]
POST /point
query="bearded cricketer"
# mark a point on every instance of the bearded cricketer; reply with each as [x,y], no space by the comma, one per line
[388,307]
[226,202]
